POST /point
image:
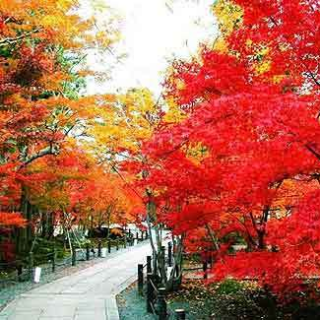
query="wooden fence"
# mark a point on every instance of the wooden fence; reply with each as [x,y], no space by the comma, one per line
[149,285]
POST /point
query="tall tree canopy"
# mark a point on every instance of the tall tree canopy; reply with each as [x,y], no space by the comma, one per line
[42,112]
[250,127]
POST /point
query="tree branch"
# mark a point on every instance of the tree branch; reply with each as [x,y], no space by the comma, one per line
[212,237]
[316,154]
[46,151]
[6,41]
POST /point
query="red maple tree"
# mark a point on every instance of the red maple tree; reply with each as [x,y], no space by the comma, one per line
[252,124]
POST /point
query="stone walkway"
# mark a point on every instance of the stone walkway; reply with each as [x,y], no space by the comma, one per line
[85,295]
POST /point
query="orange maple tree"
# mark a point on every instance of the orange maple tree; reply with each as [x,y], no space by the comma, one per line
[42,44]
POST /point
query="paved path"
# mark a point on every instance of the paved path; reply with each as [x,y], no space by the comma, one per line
[85,295]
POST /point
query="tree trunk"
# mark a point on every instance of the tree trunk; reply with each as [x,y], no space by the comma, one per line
[50,224]
[261,244]
[25,235]
[172,280]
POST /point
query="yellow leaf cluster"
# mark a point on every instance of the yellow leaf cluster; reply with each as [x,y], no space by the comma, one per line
[53,20]
[229,15]
[123,121]
[196,152]
[174,114]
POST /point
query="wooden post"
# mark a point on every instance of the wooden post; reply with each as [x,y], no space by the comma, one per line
[205,268]
[177,270]
[31,264]
[54,259]
[149,268]
[162,304]
[140,279]
[170,262]
[74,256]
[180,314]
[150,292]
[87,252]
[99,248]
[137,236]
[109,246]
[19,272]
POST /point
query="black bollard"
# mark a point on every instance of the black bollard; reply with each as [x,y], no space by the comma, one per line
[177,270]
[140,279]
[87,252]
[19,272]
[170,262]
[149,267]
[31,265]
[162,304]
[150,292]
[109,246]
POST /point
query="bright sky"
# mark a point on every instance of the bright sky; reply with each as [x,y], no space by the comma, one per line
[153,32]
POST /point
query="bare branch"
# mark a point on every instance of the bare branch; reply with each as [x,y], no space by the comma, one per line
[7,41]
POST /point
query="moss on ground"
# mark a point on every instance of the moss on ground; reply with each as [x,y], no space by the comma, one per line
[132,306]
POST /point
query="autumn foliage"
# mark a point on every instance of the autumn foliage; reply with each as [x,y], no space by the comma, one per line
[242,164]
[47,172]
[235,159]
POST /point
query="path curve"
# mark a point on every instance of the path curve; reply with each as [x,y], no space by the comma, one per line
[85,295]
